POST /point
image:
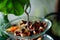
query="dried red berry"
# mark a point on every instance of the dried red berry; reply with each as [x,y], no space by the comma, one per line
[24,21]
[17,33]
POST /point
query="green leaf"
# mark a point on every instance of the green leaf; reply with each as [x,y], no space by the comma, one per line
[13,6]
[3,3]
[23,2]
[4,10]
[18,9]
[9,7]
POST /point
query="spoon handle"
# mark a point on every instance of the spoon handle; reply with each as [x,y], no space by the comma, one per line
[27,13]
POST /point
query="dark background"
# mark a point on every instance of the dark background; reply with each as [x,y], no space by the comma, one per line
[55,37]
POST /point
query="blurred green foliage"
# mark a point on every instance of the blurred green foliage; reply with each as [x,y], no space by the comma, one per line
[13,6]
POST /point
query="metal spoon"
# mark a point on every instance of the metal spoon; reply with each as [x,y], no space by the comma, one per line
[27,13]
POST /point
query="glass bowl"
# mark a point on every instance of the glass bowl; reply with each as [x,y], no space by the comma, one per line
[31,18]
